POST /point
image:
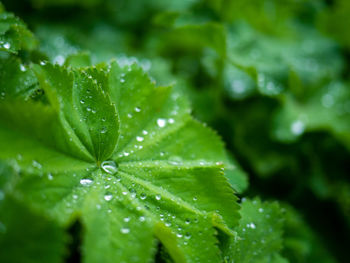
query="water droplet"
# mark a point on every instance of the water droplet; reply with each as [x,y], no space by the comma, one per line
[49,176]
[144,132]
[122,80]
[75,197]
[36,164]
[179,235]
[142,218]
[158,197]
[82,101]
[251,225]
[188,221]
[171,120]
[137,109]
[126,219]
[194,198]
[43,63]
[103,130]
[143,196]
[22,68]
[187,235]
[161,122]
[108,197]
[261,210]
[297,127]
[86,182]
[109,167]
[7,45]
[139,138]
[125,230]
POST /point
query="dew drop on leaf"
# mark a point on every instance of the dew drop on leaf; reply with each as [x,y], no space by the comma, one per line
[109,167]
[86,182]
[139,138]
[7,45]
[161,122]
[108,197]
[22,68]
[36,164]
[125,230]
[187,235]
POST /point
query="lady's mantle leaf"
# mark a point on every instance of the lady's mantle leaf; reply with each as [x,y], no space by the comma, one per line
[14,35]
[123,156]
[19,225]
[259,234]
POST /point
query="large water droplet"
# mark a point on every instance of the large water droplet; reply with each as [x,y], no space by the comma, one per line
[109,167]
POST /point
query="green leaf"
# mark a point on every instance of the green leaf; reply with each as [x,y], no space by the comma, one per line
[301,244]
[334,20]
[16,79]
[327,109]
[14,35]
[259,234]
[265,63]
[195,37]
[125,158]
[20,226]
